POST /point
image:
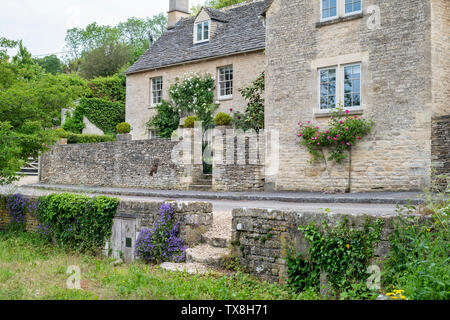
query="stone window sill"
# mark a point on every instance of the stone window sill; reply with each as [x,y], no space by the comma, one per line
[329,114]
[339,20]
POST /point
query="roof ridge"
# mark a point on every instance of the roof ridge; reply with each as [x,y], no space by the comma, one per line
[241,4]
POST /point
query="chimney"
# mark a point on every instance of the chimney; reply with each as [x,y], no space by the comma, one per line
[177,9]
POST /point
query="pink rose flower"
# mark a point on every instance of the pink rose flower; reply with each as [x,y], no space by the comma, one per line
[328,137]
[341,122]
[334,139]
[231,109]
[359,138]
[346,111]
[348,144]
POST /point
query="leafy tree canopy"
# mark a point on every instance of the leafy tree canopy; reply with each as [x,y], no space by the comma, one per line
[216,4]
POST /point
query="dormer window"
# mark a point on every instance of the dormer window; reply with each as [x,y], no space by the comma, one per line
[202,32]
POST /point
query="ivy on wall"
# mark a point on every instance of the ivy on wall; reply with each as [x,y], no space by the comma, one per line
[104,114]
[108,88]
[77,222]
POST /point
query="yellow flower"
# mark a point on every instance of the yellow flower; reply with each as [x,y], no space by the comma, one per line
[403,297]
[429,230]
[394,297]
[389,294]
[348,246]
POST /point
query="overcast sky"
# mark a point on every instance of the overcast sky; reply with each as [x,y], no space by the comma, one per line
[42,24]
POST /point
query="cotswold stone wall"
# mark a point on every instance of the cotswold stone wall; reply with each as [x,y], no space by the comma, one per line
[145,164]
[398,87]
[238,163]
[195,218]
[261,236]
[440,151]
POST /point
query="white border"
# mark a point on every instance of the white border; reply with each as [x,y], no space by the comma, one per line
[228,97]
[195,32]
[351,13]
[329,18]
[319,88]
[342,77]
[151,90]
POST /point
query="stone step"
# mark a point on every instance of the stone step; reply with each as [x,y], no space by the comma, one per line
[189,268]
[204,182]
[215,241]
[206,254]
[196,187]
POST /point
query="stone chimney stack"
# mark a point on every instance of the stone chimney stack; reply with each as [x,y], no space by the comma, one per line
[177,9]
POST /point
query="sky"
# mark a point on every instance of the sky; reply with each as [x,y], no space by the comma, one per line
[42,24]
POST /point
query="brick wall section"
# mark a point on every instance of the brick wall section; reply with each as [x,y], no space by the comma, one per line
[440,150]
[195,218]
[265,255]
[397,90]
[245,171]
[122,164]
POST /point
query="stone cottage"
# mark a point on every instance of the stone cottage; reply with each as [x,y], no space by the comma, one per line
[385,60]
[227,43]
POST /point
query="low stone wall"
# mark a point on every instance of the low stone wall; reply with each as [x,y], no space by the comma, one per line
[195,218]
[261,236]
[238,163]
[143,164]
[440,150]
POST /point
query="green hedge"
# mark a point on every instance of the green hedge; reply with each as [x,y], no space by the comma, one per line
[77,222]
[108,88]
[106,115]
[74,138]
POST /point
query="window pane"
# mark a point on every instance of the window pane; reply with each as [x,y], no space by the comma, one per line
[357,6]
[226,81]
[206,31]
[199,32]
[327,88]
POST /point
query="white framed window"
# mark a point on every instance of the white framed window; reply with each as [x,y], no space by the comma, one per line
[352,7]
[202,32]
[225,82]
[340,84]
[156,88]
[327,88]
[352,86]
[328,9]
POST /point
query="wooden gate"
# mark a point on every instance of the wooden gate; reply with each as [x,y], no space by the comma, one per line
[123,239]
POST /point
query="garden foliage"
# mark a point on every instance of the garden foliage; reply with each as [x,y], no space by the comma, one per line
[162,243]
[77,222]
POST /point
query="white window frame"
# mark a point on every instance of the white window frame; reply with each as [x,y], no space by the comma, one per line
[319,83]
[342,77]
[153,103]
[202,23]
[329,18]
[340,11]
[353,12]
[340,86]
[153,134]
[225,97]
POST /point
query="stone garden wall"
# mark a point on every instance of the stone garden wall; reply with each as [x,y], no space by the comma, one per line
[238,163]
[144,163]
[261,236]
[440,150]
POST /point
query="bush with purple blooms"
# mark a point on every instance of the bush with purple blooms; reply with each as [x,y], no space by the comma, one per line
[17,206]
[161,244]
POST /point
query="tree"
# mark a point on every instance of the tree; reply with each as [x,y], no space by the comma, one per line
[134,33]
[105,61]
[50,64]
[216,4]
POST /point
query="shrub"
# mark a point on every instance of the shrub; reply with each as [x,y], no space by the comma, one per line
[342,134]
[195,95]
[17,206]
[418,262]
[108,88]
[166,120]
[104,114]
[75,122]
[61,133]
[161,244]
[344,253]
[190,121]
[77,222]
[253,117]
[123,128]
[222,119]
[73,138]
